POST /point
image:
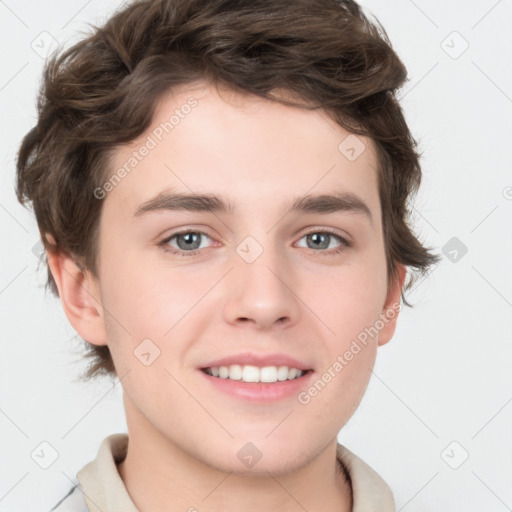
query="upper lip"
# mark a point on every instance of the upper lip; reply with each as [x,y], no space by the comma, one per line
[260,360]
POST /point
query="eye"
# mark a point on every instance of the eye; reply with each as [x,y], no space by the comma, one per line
[188,242]
[321,240]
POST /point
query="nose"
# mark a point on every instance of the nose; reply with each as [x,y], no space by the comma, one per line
[262,294]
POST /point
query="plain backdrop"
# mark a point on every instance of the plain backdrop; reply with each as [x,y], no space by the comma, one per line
[436,420]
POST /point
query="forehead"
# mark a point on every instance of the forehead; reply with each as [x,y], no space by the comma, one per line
[252,151]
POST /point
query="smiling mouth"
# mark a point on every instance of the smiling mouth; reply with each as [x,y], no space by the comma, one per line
[249,373]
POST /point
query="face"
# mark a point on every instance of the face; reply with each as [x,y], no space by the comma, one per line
[245,280]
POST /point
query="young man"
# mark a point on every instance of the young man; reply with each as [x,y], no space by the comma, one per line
[222,188]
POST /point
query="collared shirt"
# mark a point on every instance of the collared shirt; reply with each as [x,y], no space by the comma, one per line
[100,488]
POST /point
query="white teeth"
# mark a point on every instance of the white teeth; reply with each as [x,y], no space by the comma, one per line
[235,372]
[249,373]
[292,373]
[282,373]
[268,374]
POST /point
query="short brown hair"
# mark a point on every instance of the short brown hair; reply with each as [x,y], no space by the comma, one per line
[102,92]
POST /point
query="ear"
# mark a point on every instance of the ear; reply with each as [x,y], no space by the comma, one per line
[80,297]
[391,307]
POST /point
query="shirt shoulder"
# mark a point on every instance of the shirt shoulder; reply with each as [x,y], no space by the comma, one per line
[74,501]
[100,479]
[370,493]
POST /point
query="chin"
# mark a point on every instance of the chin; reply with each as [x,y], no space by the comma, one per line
[257,458]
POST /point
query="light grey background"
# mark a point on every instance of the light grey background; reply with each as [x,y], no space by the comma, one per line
[442,387]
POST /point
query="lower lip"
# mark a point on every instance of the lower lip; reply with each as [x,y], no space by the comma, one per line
[260,392]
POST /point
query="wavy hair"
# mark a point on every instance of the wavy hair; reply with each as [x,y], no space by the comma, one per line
[102,92]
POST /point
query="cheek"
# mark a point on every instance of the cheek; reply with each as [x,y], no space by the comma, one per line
[139,295]
[152,304]
[349,302]
[348,299]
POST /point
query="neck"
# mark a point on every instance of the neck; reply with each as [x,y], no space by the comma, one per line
[158,475]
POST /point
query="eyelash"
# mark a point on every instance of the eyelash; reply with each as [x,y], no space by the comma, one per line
[333,252]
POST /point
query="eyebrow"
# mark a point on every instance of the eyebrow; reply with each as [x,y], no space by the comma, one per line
[323,203]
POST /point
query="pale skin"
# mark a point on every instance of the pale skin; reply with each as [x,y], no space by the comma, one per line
[294,298]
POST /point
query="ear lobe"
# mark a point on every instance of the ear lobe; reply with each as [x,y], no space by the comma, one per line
[80,297]
[392,306]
